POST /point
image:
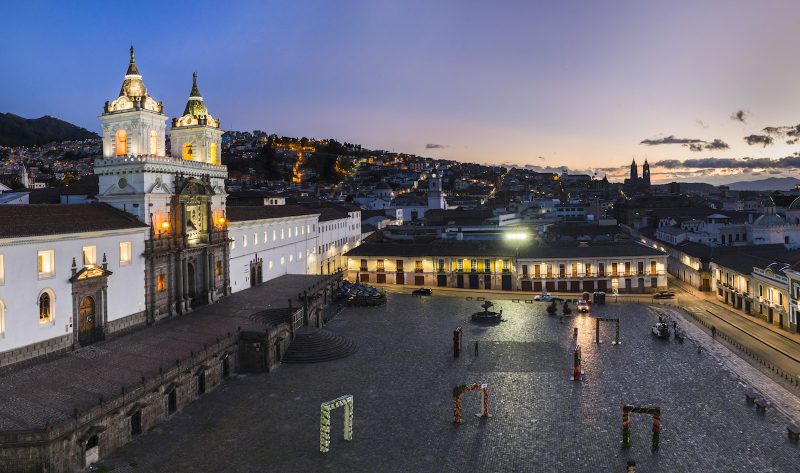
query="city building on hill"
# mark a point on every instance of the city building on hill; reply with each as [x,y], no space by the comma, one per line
[635,183]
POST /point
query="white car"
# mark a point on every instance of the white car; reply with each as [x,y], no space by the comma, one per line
[583,306]
[547,297]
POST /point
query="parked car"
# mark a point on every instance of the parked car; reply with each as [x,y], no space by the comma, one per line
[583,306]
[664,295]
[547,297]
[423,291]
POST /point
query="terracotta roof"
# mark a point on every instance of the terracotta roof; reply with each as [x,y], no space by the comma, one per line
[54,219]
[263,212]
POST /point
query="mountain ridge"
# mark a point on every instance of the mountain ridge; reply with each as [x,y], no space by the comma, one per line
[19,131]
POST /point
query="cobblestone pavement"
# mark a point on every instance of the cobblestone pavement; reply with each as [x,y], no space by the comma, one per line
[402,379]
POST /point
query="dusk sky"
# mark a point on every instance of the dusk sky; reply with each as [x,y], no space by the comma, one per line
[563,83]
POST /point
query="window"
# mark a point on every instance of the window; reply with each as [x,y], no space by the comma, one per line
[283,260]
[161,282]
[295,231]
[440,265]
[473,265]
[291,257]
[218,268]
[363,265]
[244,241]
[537,270]
[613,269]
[212,153]
[233,244]
[487,265]
[549,271]
[628,268]
[265,237]
[45,307]
[562,270]
[506,265]
[601,269]
[281,233]
[255,238]
[399,265]
[380,264]
[89,255]
[525,271]
[574,270]
[47,263]
[459,264]
[652,267]
[274,233]
[121,143]
[640,268]
[270,264]
[2,319]
[124,253]
[2,271]
[153,142]
[588,267]
[418,266]
[187,151]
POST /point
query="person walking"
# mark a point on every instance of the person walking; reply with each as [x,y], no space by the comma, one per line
[713,332]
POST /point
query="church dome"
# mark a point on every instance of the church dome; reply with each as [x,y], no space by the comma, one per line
[133,94]
[769,220]
[795,205]
[196,112]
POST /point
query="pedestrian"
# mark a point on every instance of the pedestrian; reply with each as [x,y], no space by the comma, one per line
[713,331]
[476,348]
[561,319]
[675,326]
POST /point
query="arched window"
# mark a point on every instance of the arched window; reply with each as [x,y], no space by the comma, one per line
[122,143]
[45,307]
[187,151]
[2,318]
[153,142]
[212,153]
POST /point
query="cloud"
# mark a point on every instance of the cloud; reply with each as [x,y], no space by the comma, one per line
[694,144]
[702,123]
[540,157]
[738,116]
[435,146]
[763,140]
[788,162]
[790,134]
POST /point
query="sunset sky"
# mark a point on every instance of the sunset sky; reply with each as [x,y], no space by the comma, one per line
[579,84]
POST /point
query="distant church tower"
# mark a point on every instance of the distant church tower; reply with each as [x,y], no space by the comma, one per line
[634,171]
[435,194]
[646,173]
[180,197]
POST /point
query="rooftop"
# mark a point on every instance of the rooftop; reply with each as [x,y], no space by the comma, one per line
[54,219]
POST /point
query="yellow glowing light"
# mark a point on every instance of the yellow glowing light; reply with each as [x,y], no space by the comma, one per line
[164,225]
[516,236]
[221,220]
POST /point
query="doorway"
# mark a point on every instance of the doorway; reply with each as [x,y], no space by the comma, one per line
[86,321]
[190,281]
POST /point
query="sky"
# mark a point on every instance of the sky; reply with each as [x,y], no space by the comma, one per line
[587,85]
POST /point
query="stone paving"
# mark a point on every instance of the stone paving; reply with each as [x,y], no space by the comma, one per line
[402,379]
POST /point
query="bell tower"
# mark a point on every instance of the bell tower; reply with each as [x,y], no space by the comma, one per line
[196,136]
[435,194]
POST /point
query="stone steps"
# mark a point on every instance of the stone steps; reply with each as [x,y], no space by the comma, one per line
[318,345]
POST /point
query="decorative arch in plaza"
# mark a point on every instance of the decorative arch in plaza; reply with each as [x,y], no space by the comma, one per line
[626,423]
[459,390]
[325,409]
[597,328]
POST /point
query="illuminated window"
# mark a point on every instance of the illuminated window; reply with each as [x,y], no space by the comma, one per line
[244,241]
[212,153]
[265,237]
[233,244]
[125,253]
[380,264]
[2,271]
[270,264]
[161,282]
[187,151]
[274,233]
[218,270]
[281,233]
[46,263]
[283,260]
[2,319]
[89,255]
[153,142]
[45,307]
[291,257]
[255,238]
[122,143]
[418,266]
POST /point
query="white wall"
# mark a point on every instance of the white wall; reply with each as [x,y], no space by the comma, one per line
[22,286]
[288,249]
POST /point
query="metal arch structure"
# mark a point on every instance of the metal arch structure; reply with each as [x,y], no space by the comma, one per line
[465,388]
[597,329]
[325,409]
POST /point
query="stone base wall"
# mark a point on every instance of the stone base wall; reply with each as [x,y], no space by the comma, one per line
[62,448]
[115,328]
[35,352]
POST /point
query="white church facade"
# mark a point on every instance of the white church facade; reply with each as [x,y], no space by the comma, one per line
[159,242]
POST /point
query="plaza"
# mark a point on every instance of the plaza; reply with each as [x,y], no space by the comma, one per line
[402,379]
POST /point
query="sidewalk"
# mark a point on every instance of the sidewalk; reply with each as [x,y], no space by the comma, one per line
[729,311]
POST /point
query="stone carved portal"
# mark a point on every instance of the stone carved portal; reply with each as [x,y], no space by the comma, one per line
[86,321]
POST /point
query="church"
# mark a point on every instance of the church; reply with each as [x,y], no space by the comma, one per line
[635,183]
[159,242]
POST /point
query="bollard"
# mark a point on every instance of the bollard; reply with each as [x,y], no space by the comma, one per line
[476,348]
[457,342]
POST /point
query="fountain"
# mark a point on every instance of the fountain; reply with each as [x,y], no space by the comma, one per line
[487,315]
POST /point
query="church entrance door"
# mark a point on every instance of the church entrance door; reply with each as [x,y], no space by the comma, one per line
[86,321]
[191,281]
